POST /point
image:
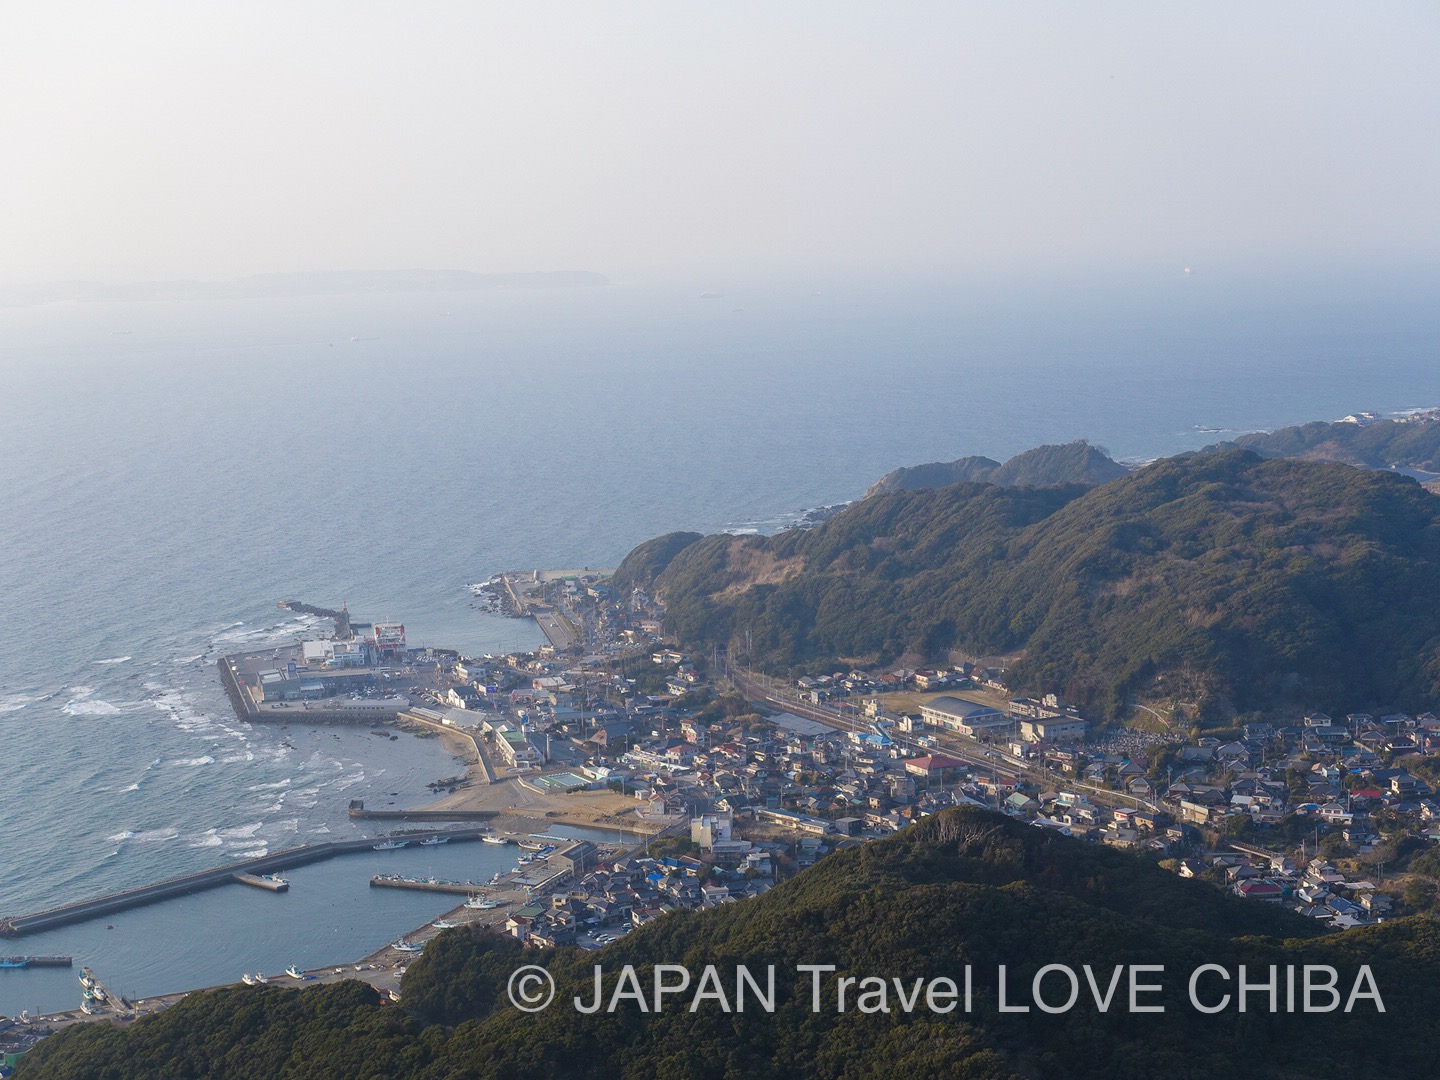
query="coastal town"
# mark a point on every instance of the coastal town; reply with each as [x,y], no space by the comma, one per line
[726,780]
[752,777]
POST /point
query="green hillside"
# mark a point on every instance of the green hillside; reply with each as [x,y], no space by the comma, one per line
[1255,583]
[1043,466]
[1412,443]
[963,888]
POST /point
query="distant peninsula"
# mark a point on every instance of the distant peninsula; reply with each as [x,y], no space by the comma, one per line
[1408,443]
[307,283]
[1076,462]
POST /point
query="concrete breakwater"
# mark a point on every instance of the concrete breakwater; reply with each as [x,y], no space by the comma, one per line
[15,926]
[357,810]
[460,888]
[246,708]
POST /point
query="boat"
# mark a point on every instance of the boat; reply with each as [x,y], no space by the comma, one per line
[294,972]
[444,924]
[479,903]
[391,845]
[35,961]
[261,980]
[502,841]
[248,979]
[406,946]
[281,884]
[434,841]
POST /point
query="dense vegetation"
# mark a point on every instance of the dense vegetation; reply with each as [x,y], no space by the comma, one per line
[964,887]
[643,565]
[1044,466]
[1413,443]
[1221,576]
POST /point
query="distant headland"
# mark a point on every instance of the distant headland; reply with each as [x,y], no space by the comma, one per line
[305,283]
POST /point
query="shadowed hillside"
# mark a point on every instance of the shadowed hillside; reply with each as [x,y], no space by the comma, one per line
[963,888]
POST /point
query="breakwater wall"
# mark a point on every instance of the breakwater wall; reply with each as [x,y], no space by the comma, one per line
[357,810]
[459,888]
[238,701]
[17,925]
[246,709]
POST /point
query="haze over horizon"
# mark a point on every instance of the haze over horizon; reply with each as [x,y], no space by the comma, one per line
[163,141]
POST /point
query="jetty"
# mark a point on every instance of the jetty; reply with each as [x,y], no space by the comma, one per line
[65,914]
[264,881]
[461,888]
[357,810]
[13,963]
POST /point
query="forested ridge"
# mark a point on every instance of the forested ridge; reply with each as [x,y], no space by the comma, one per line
[1255,584]
[1043,466]
[1408,443]
[962,887]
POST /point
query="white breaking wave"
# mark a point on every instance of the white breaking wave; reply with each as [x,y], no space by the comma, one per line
[156,836]
[133,787]
[193,763]
[15,702]
[80,703]
[118,837]
[244,832]
[208,839]
[115,660]
[346,781]
[240,634]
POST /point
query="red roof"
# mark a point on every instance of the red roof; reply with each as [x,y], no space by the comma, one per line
[1251,887]
[932,762]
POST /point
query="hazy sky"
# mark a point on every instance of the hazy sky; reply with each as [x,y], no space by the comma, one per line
[209,139]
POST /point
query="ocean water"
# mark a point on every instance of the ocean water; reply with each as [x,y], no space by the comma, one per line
[168,471]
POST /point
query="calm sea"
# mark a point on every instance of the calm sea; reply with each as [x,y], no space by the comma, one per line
[169,470]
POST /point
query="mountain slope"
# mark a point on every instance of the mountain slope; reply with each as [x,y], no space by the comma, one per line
[1258,582]
[1412,443]
[965,887]
[1043,466]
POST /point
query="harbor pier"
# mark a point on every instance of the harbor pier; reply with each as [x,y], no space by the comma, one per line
[65,914]
[459,888]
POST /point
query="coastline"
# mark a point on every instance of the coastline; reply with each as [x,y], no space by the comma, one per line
[382,968]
